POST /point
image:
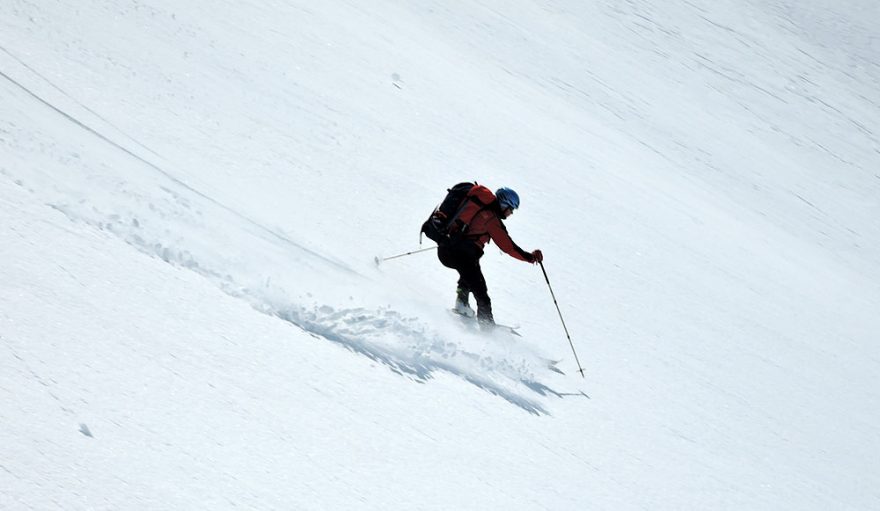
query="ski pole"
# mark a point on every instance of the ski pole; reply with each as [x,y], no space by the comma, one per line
[378,260]
[580,369]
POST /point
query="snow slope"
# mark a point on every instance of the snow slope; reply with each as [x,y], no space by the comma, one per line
[192,197]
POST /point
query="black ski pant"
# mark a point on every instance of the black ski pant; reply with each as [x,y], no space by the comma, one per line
[464,257]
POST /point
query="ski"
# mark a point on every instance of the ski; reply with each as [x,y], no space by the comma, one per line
[508,328]
[471,321]
[551,365]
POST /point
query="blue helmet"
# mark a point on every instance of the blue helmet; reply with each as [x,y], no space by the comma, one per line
[507,198]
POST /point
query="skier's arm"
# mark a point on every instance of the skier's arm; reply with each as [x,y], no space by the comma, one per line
[499,235]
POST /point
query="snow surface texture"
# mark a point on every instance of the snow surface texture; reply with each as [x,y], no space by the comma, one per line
[192,195]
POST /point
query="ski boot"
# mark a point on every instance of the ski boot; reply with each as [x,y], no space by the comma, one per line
[462,306]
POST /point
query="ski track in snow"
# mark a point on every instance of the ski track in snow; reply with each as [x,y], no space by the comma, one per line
[406,345]
[411,348]
[181,225]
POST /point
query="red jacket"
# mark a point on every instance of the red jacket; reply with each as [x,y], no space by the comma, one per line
[486,226]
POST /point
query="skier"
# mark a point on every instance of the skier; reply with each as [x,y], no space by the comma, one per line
[463,252]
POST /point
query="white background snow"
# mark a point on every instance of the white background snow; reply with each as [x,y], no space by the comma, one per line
[192,195]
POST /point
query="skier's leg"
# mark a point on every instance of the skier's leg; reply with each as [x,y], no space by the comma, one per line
[462,292]
[473,275]
[457,259]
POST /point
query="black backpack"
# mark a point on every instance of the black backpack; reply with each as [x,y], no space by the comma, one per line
[446,225]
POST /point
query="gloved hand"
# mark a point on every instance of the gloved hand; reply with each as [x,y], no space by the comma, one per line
[537,256]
